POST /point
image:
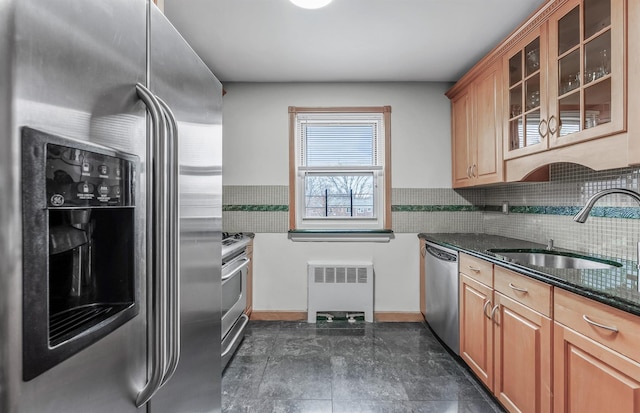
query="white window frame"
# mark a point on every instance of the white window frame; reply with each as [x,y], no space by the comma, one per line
[381,169]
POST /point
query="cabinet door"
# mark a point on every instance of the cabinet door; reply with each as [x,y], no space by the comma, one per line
[525,96]
[522,340]
[461,128]
[476,329]
[249,286]
[486,148]
[423,291]
[589,377]
[587,70]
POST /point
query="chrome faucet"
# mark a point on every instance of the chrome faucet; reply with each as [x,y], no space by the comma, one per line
[582,216]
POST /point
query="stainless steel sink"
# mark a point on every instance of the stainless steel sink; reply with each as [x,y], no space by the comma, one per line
[554,259]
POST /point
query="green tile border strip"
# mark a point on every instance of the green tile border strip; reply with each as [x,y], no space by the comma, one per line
[601,212]
[256,208]
[394,208]
[434,208]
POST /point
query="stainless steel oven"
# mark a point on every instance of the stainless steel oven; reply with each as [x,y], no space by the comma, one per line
[234,299]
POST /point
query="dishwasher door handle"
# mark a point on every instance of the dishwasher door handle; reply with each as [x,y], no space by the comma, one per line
[441,255]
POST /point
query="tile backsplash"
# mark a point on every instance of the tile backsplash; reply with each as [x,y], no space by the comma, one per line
[542,211]
[537,211]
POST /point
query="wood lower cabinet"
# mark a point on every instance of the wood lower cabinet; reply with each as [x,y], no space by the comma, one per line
[597,357]
[249,286]
[506,334]
[476,328]
[423,291]
[590,377]
[541,349]
[522,343]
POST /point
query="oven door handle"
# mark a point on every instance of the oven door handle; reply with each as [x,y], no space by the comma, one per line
[226,351]
[243,263]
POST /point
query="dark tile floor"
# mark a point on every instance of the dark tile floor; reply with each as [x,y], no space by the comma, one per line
[296,367]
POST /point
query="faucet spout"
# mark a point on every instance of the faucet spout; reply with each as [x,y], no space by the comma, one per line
[583,214]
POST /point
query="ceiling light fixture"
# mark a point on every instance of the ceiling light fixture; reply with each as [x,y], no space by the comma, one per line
[310,4]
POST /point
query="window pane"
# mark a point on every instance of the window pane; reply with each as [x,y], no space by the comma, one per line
[340,145]
[339,195]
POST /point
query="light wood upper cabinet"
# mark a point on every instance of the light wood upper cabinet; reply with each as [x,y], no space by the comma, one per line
[476,131]
[460,142]
[587,70]
[526,96]
[487,165]
[566,78]
[566,73]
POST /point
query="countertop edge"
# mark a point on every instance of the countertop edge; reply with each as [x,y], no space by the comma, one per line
[601,297]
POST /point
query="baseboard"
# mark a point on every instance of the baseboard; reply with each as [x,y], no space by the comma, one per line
[382,316]
[279,315]
[397,316]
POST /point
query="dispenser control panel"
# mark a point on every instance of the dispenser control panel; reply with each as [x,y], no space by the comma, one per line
[80,178]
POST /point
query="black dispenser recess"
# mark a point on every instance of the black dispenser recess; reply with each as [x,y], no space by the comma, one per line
[79,281]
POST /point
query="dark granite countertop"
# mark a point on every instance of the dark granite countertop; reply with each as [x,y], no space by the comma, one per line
[616,287]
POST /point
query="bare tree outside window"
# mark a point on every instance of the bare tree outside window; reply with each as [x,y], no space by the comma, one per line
[339,195]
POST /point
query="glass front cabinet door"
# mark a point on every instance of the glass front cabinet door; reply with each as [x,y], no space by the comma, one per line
[586,70]
[566,79]
[526,96]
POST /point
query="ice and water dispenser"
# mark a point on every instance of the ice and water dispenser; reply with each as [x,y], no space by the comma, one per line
[79,281]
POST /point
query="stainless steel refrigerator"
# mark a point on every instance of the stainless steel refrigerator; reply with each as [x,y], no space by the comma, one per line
[110,210]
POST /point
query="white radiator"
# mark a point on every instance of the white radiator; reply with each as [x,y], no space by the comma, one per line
[340,287]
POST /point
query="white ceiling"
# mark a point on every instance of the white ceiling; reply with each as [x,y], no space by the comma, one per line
[349,40]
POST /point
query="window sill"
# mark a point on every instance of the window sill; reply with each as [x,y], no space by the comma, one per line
[328,235]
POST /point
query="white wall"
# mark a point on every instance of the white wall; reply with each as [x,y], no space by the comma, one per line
[256,134]
[256,149]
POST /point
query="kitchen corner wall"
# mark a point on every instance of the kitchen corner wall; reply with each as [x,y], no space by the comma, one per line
[255,192]
[256,176]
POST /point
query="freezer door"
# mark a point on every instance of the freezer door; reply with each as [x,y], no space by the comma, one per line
[74,66]
[179,78]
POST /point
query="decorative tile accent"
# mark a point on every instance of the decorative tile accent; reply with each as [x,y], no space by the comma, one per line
[254,208]
[434,208]
[541,211]
[538,211]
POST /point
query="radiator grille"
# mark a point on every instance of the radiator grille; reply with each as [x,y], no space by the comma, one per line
[330,275]
[340,287]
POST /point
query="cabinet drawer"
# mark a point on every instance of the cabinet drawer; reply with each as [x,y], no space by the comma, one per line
[476,268]
[532,293]
[573,311]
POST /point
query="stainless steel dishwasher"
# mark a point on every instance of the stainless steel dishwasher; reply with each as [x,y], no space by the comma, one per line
[441,295]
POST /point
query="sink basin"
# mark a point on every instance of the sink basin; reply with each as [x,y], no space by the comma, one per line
[554,259]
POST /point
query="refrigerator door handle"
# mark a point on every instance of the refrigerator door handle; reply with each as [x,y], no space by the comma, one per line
[156,246]
[173,302]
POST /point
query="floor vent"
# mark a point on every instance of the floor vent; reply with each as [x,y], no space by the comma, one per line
[340,287]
